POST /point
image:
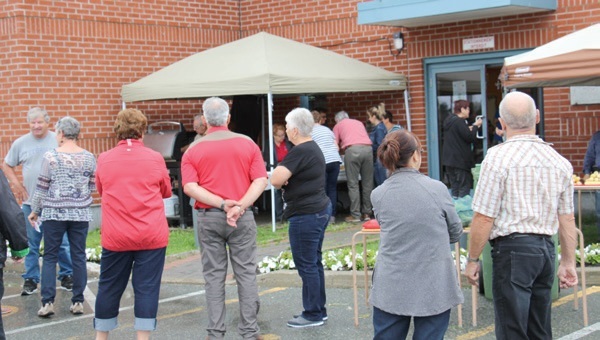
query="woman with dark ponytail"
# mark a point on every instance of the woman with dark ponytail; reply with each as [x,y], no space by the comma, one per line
[414,276]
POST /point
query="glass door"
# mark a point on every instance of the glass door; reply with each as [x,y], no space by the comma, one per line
[446,85]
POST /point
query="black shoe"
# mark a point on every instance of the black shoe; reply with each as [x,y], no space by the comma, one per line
[299,315]
[29,287]
[67,283]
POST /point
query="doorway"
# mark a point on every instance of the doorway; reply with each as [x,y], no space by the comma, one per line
[467,77]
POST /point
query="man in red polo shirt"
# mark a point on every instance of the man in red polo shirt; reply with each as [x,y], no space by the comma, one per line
[225,173]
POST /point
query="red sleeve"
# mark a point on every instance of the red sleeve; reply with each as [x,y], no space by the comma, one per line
[257,168]
[165,183]
[189,174]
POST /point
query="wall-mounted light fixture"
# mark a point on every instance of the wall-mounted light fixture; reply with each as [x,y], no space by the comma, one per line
[398,41]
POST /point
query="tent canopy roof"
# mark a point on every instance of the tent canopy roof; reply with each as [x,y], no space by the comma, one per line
[260,64]
[572,60]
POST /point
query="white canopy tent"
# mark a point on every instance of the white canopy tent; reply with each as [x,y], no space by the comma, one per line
[572,60]
[263,64]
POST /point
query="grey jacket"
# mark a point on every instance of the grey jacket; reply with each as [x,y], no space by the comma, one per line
[414,273]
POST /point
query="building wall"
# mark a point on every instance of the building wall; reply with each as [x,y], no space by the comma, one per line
[72,57]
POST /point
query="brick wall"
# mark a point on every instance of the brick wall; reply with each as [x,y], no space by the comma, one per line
[72,57]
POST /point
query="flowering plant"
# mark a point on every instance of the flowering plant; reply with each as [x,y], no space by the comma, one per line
[341,259]
[93,254]
[591,254]
[335,260]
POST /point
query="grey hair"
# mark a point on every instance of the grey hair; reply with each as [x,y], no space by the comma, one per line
[301,119]
[35,112]
[518,111]
[216,111]
[69,126]
[341,116]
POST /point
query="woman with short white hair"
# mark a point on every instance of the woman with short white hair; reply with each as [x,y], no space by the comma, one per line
[302,176]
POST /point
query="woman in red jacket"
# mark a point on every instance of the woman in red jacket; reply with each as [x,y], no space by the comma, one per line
[132,180]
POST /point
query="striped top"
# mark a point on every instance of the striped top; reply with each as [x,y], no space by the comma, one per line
[65,185]
[524,185]
[326,142]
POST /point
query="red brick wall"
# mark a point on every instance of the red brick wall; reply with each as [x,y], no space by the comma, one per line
[72,57]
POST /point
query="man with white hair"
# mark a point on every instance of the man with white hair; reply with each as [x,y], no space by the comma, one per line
[523,197]
[352,137]
[28,150]
[225,173]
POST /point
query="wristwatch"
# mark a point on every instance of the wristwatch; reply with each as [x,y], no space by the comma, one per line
[222,205]
[472,260]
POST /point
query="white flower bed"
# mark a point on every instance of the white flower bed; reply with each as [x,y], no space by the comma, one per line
[341,259]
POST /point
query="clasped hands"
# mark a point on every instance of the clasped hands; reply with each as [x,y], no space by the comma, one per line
[234,211]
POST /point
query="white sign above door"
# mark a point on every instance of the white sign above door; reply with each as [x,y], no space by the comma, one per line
[478,43]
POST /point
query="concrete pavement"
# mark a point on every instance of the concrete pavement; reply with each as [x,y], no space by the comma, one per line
[182,313]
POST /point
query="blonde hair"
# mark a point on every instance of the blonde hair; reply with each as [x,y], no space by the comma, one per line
[377,111]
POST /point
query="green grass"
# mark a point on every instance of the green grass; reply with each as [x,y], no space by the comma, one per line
[180,240]
[265,234]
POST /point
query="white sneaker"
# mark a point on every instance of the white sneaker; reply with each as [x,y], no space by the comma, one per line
[76,308]
[46,310]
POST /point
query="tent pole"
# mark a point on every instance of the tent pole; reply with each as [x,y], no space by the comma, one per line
[271,160]
[406,105]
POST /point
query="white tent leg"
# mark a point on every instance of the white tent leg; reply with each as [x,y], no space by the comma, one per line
[271,160]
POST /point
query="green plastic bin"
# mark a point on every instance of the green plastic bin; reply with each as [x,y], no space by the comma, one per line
[475,173]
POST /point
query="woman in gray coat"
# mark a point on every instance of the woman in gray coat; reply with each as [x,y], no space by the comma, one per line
[415,276]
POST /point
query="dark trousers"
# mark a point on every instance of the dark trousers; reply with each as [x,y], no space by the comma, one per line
[306,234]
[2,335]
[145,268]
[460,181]
[278,205]
[379,173]
[332,171]
[54,232]
[523,274]
[389,326]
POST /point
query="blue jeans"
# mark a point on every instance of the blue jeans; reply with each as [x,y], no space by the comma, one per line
[145,268]
[2,335]
[278,204]
[32,260]
[389,326]
[379,173]
[522,278]
[54,232]
[332,171]
[306,234]
[598,212]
